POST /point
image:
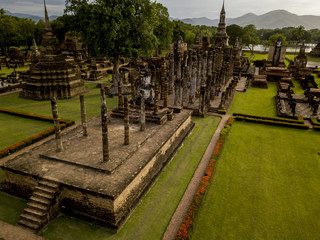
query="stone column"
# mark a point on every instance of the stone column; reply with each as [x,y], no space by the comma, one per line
[104,124]
[120,96]
[177,95]
[185,89]
[126,122]
[202,100]
[156,96]
[193,80]
[163,76]
[142,112]
[198,82]
[165,99]
[133,87]
[204,68]
[171,73]
[56,122]
[83,115]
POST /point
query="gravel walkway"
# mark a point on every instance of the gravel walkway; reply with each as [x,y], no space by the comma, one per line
[187,198]
[10,232]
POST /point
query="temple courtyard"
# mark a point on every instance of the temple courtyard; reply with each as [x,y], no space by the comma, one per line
[265,184]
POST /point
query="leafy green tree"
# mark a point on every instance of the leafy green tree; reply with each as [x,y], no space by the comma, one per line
[39,31]
[234,31]
[8,32]
[26,29]
[250,37]
[273,39]
[298,33]
[164,30]
[115,28]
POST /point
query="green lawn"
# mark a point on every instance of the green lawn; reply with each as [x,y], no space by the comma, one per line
[10,207]
[266,186]
[6,71]
[151,217]
[256,101]
[15,129]
[68,108]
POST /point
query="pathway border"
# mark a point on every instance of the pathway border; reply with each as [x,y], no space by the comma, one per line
[186,200]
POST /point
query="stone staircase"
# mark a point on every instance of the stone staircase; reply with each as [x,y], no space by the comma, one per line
[38,210]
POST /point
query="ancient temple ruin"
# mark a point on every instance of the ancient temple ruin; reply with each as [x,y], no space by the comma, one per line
[100,171]
[221,38]
[315,51]
[51,75]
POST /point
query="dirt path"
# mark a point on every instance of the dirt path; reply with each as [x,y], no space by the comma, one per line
[11,92]
[10,232]
[187,198]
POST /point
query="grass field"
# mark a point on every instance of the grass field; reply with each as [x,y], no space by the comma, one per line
[15,129]
[5,71]
[266,186]
[10,207]
[151,217]
[68,108]
[256,101]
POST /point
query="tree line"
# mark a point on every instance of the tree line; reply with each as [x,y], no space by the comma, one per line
[129,28]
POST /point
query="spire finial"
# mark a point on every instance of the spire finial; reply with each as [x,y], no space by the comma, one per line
[46,22]
[222,10]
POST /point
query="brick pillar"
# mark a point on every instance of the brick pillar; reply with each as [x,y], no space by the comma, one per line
[126,122]
[83,115]
[104,123]
[56,122]
[142,112]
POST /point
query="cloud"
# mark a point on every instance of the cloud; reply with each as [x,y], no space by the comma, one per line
[184,8]
[35,7]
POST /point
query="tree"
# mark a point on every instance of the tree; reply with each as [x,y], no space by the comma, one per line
[250,37]
[26,29]
[115,28]
[234,31]
[164,30]
[274,38]
[39,31]
[8,32]
[298,33]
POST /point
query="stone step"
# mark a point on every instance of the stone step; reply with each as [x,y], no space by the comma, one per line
[36,205]
[31,218]
[35,212]
[49,183]
[38,199]
[40,193]
[28,224]
[47,189]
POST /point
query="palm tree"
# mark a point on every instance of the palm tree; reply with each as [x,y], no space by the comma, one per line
[298,33]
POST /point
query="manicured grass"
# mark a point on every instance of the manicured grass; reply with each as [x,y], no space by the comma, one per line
[10,207]
[5,70]
[297,87]
[68,108]
[15,129]
[151,217]
[317,79]
[266,186]
[256,101]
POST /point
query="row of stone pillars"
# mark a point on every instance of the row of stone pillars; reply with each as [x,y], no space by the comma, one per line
[104,123]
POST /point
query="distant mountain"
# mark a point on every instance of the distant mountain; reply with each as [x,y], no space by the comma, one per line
[32,17]
[270,20]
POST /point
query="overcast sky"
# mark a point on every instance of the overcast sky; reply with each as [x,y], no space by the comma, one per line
[185,8]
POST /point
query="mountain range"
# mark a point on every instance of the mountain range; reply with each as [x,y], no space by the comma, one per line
[270,20]
[32,17]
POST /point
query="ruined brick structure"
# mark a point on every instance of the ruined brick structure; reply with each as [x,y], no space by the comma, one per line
[51,75]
